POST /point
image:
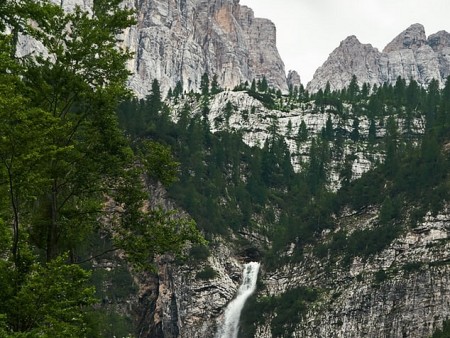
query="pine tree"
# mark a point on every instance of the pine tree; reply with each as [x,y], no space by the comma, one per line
[432,103]
[329,132]
[353,89]
[372,132]
[204,84]
[391,141]
[400,91]
[215,88]
[178,91]
[262,85]
[354,134]
[302,135]
[253,86]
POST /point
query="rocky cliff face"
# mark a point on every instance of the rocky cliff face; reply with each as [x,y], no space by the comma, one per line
[410,55]
[180,40]
[410,300]
[253,121]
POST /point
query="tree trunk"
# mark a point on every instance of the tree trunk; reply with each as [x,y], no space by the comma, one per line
[52,230]
[15,209]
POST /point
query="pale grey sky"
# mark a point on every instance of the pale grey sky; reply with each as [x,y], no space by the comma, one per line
[309,30]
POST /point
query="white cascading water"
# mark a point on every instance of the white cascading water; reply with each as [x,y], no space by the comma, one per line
[230,326]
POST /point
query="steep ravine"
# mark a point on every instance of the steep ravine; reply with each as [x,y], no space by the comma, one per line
[411,298]
[403,291]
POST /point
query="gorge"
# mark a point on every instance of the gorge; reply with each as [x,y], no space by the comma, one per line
[324,210]
[361,275]
[230,326]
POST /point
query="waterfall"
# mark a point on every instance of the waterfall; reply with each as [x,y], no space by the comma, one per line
[230,326]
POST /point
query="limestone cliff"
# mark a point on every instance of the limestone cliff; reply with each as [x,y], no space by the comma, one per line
[251,119]
[293,79]
[410,300]
[401,292]
[410,55]
[180,40]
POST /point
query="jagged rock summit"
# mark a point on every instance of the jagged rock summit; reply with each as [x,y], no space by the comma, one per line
[180,40]
[412,38]
[293,79]
[410,55]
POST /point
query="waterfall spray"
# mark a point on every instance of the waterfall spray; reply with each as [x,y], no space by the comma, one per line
[230,326]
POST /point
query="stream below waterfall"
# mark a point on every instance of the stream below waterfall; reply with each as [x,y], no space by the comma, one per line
[230,326]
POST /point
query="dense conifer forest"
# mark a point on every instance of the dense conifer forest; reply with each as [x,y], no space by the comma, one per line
[228,186]
[71,184]
[77,152]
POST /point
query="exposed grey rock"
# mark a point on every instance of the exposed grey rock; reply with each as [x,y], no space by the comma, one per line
[253,121]
[410,55]
[412,38]
[439,41]
[350,58]
[180,40]
[412,301]
[293,79]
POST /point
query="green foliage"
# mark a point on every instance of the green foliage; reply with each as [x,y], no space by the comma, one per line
[61,153]
[52,301]
[265,98]
[364,243]
[144,233]
[204,84]
[206,274]
[380,276]
[199,253]
[108,323]
[302,132]
[80,93]
[226,185]
[444,332]
[158,162]
[215,88]
[288,309]
[119,276]
[412,267]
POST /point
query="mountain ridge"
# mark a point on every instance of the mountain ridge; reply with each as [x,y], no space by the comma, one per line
[410,55]
[179,41]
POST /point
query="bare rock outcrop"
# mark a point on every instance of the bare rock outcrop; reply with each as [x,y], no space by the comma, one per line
[412,38]
[400,292]
[350,58]
[180,40]
[293,79]
[410,55]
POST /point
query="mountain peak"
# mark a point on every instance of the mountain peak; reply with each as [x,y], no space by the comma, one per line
[412,38]
[409,55]
[350,40]
[439,40]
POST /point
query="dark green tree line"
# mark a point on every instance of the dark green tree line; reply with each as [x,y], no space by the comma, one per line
[61,154]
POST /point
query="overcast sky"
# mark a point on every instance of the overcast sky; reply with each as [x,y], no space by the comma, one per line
[309,30]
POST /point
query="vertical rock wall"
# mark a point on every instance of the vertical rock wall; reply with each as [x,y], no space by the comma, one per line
[180,40]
